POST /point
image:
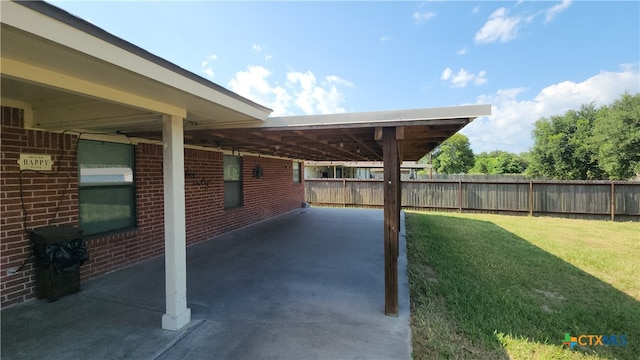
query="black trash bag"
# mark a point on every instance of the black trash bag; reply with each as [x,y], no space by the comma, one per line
[67,257]
[42,252]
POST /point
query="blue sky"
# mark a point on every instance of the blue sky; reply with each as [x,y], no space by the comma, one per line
[528,59]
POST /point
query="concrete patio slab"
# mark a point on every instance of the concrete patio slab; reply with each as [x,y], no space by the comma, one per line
[307,284]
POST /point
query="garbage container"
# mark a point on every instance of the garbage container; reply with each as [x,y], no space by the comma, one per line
[59,252]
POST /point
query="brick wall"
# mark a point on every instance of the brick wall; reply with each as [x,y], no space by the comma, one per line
[270,195]
[51,198]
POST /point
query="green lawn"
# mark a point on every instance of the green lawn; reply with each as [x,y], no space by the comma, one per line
[494,286]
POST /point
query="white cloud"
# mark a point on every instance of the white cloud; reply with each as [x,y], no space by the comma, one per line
[499,27]
[206,68]
[476,9]
[446,74]
[512,119]
[336,80]
[209,73]
[305,93]
[463,51]
[259,49]
[555,10]
[462,78]
[421,17]
[314,98]
[480,78]
[502,27]
[253,85]
[385,38]
[302,92]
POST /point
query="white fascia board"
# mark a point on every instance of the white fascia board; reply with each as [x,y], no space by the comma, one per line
[33,22]
[382,118]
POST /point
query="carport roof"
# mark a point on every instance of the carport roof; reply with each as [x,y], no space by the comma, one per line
[343,137]
[71,75]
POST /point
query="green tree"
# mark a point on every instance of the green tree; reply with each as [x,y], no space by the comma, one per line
[498,162]
[453,156]
[617,137]
[508,163]
[525,157]
[483,164]
[563,147]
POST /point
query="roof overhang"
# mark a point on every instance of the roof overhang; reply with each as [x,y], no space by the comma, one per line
[337,137]
[74,75]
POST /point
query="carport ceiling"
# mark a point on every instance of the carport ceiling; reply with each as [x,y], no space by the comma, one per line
[335,137]
[347,144]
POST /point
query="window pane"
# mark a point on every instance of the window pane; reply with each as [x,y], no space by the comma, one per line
[296,172]
[97,154]
[106,189]
[106,208]
[232,181]
[105,163]
[232,167]
[113,175]
[232,194]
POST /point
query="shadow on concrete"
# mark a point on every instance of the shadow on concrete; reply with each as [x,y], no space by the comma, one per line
[307,284]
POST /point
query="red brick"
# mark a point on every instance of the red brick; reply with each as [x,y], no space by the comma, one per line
[271,195]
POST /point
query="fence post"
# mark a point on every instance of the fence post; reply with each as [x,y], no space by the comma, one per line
[613,201]
[460,195]
[530,198]
[344,192]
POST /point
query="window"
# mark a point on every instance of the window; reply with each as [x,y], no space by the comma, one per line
[296,172]
[232,181]
[106,190]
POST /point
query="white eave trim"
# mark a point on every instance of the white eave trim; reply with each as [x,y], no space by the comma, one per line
[422,116]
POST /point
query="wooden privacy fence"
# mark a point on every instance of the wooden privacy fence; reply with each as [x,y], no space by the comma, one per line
[598,198]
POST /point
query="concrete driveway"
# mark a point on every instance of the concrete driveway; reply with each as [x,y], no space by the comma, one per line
[308,284]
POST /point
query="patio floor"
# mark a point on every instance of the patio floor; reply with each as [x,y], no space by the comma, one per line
[307,284]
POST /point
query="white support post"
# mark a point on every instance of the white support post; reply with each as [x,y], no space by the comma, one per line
[178,314]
